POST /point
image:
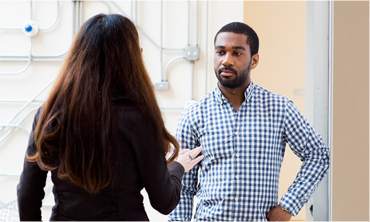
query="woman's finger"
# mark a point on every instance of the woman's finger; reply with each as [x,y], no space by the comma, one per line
[183,151]
[197,160]
[194,152]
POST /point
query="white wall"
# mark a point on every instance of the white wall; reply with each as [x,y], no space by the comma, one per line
[24,86]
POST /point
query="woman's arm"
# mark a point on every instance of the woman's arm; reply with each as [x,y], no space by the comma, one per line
[162,182]
[30,190]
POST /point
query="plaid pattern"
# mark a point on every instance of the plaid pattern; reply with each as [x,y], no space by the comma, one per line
[239,176]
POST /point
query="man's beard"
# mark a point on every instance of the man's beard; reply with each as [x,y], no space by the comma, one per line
[236,82]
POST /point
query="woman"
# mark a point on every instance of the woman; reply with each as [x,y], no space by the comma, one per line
[101,134]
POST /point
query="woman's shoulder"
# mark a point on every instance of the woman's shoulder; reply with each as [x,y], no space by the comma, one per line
[127,112]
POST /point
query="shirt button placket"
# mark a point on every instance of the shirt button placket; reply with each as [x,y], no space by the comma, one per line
[236,162]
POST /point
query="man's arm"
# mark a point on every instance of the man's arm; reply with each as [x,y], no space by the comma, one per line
[309,147]
[187,138]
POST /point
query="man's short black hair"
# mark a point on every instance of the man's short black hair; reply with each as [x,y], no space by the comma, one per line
[241,28]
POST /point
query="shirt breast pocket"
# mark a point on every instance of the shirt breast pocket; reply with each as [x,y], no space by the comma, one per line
[216,143]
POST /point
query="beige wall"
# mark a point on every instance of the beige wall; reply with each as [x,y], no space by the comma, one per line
[281,69]
[350,187]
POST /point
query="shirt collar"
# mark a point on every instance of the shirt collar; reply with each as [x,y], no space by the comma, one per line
[247,93]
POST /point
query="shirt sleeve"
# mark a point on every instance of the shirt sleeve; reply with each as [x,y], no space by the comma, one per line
[187,137]
[309,147]
[162,182]
[30,190]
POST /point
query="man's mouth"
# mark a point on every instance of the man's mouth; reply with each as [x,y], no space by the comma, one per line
[227,72]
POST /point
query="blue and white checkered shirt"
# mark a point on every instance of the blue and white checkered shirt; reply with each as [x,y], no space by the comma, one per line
[239,176]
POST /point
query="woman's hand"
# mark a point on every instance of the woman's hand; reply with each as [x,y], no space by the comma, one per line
[188,158]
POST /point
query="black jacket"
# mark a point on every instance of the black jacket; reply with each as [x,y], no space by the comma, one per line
[142,165]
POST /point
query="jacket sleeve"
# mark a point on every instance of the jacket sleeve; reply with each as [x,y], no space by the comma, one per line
[30,190]
[162,182]
[187,137]
[309,147]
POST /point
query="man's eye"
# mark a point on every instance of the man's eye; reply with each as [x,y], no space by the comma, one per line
[220,52]
[237,53]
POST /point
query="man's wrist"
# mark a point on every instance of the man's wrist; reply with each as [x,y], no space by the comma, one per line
[284,209]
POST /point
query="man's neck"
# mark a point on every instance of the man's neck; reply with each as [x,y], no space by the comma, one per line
[234,95]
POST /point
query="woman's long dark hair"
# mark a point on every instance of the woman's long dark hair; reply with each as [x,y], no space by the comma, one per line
[75,133]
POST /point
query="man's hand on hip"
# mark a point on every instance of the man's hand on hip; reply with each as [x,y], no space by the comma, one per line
[278,214]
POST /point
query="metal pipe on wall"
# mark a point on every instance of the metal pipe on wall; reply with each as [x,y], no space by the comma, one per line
[188,22]
[31,10]
[330,108]
[161,46]
[15,126]
[32,59]
[106,3]
[80,14]
[40,29]
[77,17]
[27,65]
[192,80]
[168,64]
[19,122]
[196,23]
[206,51]
[46,56]
[24,107]
[56,20]
[19,101]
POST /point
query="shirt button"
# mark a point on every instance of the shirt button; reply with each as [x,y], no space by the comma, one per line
[237,155]
[236,133]
[236,199]
[236,177]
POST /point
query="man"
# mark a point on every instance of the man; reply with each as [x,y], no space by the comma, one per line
[243,129]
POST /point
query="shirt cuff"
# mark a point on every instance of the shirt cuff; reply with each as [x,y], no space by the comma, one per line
[291,203]
[176,169]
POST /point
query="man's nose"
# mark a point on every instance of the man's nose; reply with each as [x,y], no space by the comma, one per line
[228,60]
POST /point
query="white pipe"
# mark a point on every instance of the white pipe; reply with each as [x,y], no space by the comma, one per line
[330,110]
[15,126]
[80,18]
[106,3]
[74,30]
[31,100]
[26,67]
[31,14]
[168,64]
[32,59]
[9,132]
[174,49]
[55,22]
[19,101]
[135,11]
[206,51]
[161,45]
[196,23]
[192,80]
[12,29]
[132,11]
[188,22]
[76,16]
[40,29]
[138,28]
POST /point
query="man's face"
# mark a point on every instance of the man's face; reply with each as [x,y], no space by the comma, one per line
[232,61]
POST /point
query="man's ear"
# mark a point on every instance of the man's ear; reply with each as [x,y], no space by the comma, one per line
[255,60]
